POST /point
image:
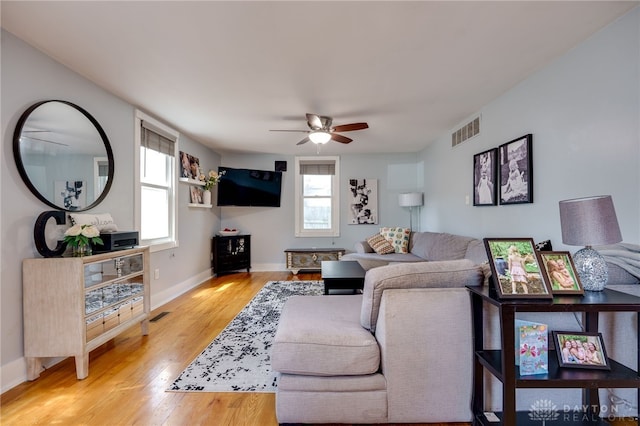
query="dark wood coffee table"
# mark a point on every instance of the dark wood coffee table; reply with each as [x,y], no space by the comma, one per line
[342,274]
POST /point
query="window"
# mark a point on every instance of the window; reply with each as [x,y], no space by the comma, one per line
[156,215]
[317,196]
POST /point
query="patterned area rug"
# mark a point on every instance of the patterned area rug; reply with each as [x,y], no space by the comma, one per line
[238,360]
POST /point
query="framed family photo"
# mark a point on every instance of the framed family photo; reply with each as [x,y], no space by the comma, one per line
[516,269]
[484,178]
[196,194]
[561,272]
[516,171]
[189,166]
[580,350]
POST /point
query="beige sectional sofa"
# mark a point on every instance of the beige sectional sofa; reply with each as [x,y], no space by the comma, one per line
[377,357]
[401,352]
[423,246]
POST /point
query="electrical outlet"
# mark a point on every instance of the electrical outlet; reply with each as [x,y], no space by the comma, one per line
[156,274]
[466,200]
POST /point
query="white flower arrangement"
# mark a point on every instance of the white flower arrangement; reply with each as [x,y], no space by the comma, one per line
[210,180]
[82,235]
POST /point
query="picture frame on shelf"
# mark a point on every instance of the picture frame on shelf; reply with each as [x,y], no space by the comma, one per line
[577,349]
[516,269]
[516,171]
[485,177]
[561,272]
[196,194]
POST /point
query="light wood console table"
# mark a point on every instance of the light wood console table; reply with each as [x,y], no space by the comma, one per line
[72,305]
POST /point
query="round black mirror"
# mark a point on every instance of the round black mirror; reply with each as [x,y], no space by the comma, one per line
[63,155]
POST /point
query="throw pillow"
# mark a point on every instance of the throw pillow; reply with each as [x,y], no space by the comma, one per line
[380,245]
[398,237]
[103,221]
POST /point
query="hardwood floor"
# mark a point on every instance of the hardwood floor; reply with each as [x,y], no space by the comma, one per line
[128,376]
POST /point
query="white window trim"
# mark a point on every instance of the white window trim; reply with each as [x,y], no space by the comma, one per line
[172,241]
[335,196]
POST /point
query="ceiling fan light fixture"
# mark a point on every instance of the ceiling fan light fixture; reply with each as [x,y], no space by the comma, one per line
[319,137]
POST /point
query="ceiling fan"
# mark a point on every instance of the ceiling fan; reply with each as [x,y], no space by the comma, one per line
[321,130]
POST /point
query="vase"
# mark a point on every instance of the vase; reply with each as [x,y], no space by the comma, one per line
[206,197]
[82,250]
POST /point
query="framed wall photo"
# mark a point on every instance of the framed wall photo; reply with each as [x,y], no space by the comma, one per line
[580,350]
[516,269]
[484,178]
[189,166]
[516,171]
[561,272]
[363,203]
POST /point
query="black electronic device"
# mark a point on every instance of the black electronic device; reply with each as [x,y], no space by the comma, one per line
[249,188]
[117,240]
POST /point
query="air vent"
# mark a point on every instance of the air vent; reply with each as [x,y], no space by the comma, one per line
[465,132]
[159,316]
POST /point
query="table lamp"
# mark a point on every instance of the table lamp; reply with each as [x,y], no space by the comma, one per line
[411,200]
[587,222]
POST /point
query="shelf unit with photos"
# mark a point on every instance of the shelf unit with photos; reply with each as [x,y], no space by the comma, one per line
[500,363]
[72,305]
[194,182]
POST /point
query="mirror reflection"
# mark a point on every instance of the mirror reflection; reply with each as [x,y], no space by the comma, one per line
[63,155]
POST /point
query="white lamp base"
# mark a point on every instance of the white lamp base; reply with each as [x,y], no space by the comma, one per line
[591,268]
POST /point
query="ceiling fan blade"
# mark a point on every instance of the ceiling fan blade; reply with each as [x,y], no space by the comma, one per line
[350,127]
[280,130]
[314,121]
[339,138]
[303,141]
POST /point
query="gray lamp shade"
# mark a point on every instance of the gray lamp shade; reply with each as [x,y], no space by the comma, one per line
[589,221]
[410,199]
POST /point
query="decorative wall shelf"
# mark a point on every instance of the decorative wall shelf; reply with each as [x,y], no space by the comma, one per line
[191,181]
[202,206]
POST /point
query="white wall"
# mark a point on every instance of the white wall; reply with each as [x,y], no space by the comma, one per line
[583,111]
[272,228]
[29,76]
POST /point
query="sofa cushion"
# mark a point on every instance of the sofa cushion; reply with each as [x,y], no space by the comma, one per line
[442,274]
[398,237]
[439,245]
[380,245]
[322,336]
[374,260]
[476,252]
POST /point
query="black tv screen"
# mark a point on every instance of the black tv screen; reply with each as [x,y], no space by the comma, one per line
[247,187]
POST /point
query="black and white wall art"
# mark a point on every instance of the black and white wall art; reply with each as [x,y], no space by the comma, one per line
[363,202]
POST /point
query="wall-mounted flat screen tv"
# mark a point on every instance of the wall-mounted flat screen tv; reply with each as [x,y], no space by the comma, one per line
[250,188]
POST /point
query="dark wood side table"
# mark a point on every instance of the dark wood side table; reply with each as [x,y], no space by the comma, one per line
[342,274]
[500,363]
[230,253]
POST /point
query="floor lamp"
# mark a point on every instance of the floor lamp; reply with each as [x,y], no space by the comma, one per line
[411,200]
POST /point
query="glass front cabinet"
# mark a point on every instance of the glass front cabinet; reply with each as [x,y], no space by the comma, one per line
[72,305]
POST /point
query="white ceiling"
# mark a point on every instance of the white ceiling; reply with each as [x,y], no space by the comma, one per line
[225,73]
